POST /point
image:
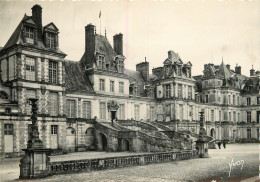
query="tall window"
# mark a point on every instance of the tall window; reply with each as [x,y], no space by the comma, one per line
[29,35]
[206,83]
[179,91]
[53,66]
[71,107]
[234,99]
[229,99]
[178,70]
[53,104]
[219,115]
[237,100]
[258,100]
[50,40]
[30,68]
[248,133]
[168,109]
[258,134]
[238,117]
[137,112]
[120,66]
[8,129]
[102,84]
[121,111]
[112,86]
[219,100]
[248,116]
[206,99]
[121,87]
[167,91]
[229,116]
[212,115]
[102,110]
[101,62]
[86,109]
[189,92]
[234,116]
[248,101]
[190,111]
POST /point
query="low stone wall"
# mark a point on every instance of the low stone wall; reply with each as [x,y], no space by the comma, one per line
[66,167]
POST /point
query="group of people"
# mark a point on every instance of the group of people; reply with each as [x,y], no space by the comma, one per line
[219,144]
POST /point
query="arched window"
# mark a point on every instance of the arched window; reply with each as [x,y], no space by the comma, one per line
[3,95]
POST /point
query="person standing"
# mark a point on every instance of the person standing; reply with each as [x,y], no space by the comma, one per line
[224,144]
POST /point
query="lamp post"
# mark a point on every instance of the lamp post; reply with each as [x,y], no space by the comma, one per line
[34,163]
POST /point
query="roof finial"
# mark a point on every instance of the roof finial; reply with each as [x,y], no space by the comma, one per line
[252,67]
[95,30]
[144,59]
[105,32]
[222,59]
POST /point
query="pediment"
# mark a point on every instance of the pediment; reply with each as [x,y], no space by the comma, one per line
[52,27]
[189,64]
[167,62]
[29,20]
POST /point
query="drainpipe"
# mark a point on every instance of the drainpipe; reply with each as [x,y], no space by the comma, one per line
[77,136]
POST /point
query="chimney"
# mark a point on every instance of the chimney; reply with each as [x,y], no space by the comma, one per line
[118,44]
[170,55]
[89,42]
[157,71]
[228,66]
[252,71]
[238,69]
[143,68]
[37,18]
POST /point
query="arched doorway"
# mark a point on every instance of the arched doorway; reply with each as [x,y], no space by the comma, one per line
[103,142]
[212,133]
[125,145]
[71,139]
[90,139]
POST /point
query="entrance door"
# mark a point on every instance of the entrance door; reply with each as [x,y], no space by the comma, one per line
[8,138]
[54,137]
[71,139]
[125,145]
[104,142]
[113,115]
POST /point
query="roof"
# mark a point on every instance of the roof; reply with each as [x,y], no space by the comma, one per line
[252,86]
[75,78]
[224,71]
[135,76]
[102,45]
[16,37]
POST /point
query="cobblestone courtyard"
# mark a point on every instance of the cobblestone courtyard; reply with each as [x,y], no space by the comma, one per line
[214,168]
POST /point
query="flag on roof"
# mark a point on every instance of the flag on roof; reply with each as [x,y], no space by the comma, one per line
[99,13]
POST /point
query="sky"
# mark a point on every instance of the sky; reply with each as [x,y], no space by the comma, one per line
[200,31]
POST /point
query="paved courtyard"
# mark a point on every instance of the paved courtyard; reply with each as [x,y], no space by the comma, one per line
[216,167]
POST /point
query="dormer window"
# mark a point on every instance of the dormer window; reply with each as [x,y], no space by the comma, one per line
[136,90]
[178,70]
[120,66]
[29,35]
[101,62]
[188,72]
[50,40]
[168,70]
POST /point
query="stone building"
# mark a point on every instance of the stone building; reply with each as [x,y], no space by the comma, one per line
[98,104]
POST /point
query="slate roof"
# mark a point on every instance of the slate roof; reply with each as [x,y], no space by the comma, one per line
[16,37]
[75,77]
[252,86]
[224,71]
[102,45]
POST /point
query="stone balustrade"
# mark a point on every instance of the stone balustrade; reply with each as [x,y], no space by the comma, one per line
[86,165]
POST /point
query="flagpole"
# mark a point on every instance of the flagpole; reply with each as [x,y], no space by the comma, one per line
[100,20]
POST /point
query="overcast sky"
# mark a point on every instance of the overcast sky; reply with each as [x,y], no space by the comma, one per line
[199,31]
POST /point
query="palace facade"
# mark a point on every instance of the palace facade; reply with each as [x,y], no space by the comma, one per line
[97,93]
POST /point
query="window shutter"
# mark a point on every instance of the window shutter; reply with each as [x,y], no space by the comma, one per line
[47,43]
[35,36]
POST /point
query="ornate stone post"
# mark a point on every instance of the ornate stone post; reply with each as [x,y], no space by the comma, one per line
[34,163]
[202,142]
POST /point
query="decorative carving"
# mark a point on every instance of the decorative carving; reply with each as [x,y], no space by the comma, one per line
[112,105]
